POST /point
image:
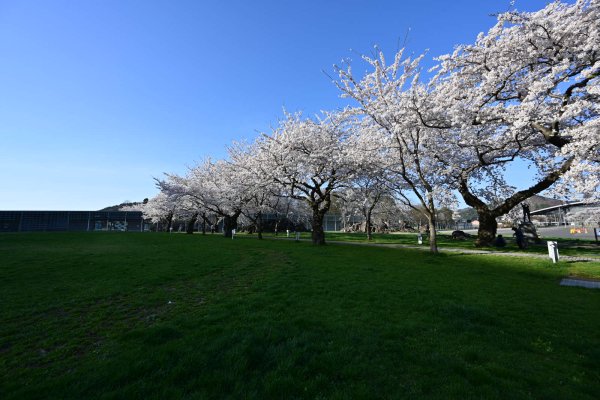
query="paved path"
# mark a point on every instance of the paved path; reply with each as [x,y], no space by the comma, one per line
[586,283]
[563,232]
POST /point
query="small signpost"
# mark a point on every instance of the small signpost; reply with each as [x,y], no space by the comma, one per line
[420,239]
[553,251]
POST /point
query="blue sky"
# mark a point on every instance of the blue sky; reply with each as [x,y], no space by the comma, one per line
[99,97]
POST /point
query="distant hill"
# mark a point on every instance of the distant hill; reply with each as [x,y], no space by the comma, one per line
[119,206]
[537,202]
[468,214]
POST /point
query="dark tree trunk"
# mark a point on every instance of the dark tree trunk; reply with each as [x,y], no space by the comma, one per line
[487,228]
[319,209]
[229,224]
[487,217]
[204,223]
[259,227]
[368,226]
[169,223]
[318,234]
[189,229]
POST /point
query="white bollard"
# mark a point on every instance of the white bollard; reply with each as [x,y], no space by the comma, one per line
[420,239]
[553,251]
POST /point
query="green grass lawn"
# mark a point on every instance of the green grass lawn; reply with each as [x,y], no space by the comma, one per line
[155,316]
[567,247]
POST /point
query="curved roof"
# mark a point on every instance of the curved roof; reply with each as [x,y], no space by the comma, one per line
[566,205]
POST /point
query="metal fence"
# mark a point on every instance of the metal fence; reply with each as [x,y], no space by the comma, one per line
[56,221]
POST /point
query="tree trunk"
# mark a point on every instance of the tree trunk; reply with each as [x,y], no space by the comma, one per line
[189,229]
[487,217]
[320,204]
[368,226]
[204,223]
[431,220]
[318,234]
[433,248]
[229,224]
[259,225]
[487,228]
[169,223]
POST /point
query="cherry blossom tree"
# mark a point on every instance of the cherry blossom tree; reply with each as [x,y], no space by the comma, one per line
[215,186]
[364,196]
[528,90]
[308,159]
[183,207]
[260,192]
[368,185]
[159,209]
[393,131]
[586,216]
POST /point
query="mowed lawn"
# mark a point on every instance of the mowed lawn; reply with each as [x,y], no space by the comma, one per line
[157,316]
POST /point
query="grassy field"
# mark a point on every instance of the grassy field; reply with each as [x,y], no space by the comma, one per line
[156,316]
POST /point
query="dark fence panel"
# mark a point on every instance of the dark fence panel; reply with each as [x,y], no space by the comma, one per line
[56,221]
[9,221]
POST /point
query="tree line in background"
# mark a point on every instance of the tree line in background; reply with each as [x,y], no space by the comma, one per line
[525,91]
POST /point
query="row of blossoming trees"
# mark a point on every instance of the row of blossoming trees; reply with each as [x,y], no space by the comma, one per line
[527,91]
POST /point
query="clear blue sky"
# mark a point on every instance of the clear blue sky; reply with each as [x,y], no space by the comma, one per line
[98,97]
